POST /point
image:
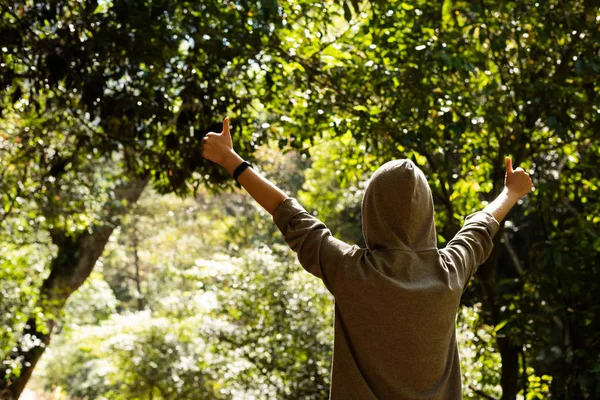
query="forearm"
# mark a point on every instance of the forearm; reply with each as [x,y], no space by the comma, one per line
[261,189]
[500,207]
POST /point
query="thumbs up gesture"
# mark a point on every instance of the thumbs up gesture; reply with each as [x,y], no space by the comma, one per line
[217,147]
[517,181]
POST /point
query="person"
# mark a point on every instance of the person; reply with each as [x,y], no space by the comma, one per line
[396,300]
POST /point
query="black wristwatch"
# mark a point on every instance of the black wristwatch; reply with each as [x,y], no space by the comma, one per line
[240,168]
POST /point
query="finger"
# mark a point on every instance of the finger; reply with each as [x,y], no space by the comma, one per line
[519,169]
[226,127]
[509,168]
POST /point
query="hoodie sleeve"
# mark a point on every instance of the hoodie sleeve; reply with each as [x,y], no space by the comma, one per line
[318,251]
[472,245]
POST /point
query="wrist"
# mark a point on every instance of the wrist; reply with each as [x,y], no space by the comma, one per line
[231,161]
[511,195]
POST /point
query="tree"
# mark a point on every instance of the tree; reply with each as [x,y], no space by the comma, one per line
[456,86]
[100,98]
[243,320]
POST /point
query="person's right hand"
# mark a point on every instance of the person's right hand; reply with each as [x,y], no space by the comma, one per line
[517,182]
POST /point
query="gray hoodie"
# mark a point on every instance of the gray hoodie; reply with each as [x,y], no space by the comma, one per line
[396,300]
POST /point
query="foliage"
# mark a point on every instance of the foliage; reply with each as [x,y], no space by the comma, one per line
[93,303]
[456,86]
[334,196]
[132,357]
[479,359]
[21,271]
[279,319]
[244,311]
[96,94]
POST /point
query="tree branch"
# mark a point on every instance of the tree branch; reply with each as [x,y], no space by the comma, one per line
[481,393]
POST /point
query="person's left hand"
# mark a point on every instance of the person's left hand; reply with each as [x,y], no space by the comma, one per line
[217,147]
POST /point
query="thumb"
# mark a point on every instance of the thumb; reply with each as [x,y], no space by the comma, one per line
[509,168]
[226,127]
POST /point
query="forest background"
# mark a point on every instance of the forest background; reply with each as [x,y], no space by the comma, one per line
[132,268]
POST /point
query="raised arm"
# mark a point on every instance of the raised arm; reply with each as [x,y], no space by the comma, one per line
[517,183]
[472,245]
[219,149]
[318,251]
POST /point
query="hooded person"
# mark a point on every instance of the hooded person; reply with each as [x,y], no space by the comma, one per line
[395,300]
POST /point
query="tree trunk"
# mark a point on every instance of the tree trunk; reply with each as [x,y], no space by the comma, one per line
[509,353]
[136,260]
[73,263]
[509,379]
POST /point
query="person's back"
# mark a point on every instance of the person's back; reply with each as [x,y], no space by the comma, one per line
[395,300]
[395,331]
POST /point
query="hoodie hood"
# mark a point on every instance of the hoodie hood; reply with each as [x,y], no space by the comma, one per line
[397,209]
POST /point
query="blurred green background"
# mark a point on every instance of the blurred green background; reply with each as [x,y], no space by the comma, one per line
[132,268]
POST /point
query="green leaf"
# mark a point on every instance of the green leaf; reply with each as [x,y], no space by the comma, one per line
[500,325]
[6,202]
[447,11]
